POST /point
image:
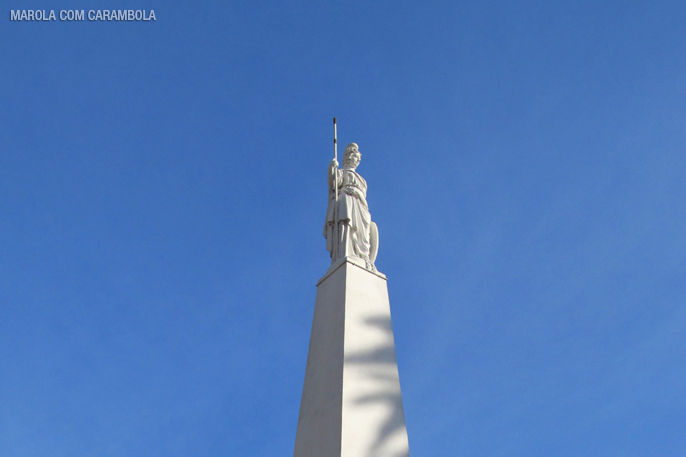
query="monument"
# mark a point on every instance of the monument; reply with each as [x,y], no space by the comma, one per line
[351,404]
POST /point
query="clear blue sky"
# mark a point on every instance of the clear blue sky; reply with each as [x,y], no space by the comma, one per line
[162,196]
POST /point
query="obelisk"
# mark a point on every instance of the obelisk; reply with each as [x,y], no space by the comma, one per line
[351,404]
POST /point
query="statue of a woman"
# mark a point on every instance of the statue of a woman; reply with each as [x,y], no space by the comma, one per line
[349,229]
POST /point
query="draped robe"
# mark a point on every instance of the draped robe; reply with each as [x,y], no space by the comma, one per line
[348,222]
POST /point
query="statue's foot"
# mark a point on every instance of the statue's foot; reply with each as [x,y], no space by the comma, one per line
[369,265]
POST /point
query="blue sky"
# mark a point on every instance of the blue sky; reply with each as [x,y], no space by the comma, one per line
[162,196]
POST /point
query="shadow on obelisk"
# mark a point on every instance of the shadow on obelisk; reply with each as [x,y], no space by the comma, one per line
[351,404]
[380,367]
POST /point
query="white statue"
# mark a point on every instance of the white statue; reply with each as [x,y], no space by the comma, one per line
[349,229]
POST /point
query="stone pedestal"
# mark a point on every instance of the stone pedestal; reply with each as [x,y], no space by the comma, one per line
[351,404]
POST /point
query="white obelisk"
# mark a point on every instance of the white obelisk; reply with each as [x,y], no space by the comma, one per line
[351,404]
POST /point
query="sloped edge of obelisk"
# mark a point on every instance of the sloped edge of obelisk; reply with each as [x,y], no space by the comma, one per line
[358,262]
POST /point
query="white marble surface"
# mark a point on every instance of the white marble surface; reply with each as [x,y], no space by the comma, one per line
[351,404]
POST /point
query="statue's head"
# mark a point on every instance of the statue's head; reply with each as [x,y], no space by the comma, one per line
[351,156]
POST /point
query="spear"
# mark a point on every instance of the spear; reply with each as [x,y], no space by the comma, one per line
[335,157]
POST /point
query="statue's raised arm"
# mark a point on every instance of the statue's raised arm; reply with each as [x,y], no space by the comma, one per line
[334,176]
[349,229]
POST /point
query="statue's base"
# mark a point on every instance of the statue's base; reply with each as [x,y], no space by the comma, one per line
[351,404]
[353,260]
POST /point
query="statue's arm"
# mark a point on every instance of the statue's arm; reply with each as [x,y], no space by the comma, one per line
[333,177]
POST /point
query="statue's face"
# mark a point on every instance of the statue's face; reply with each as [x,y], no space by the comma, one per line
[351,159]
